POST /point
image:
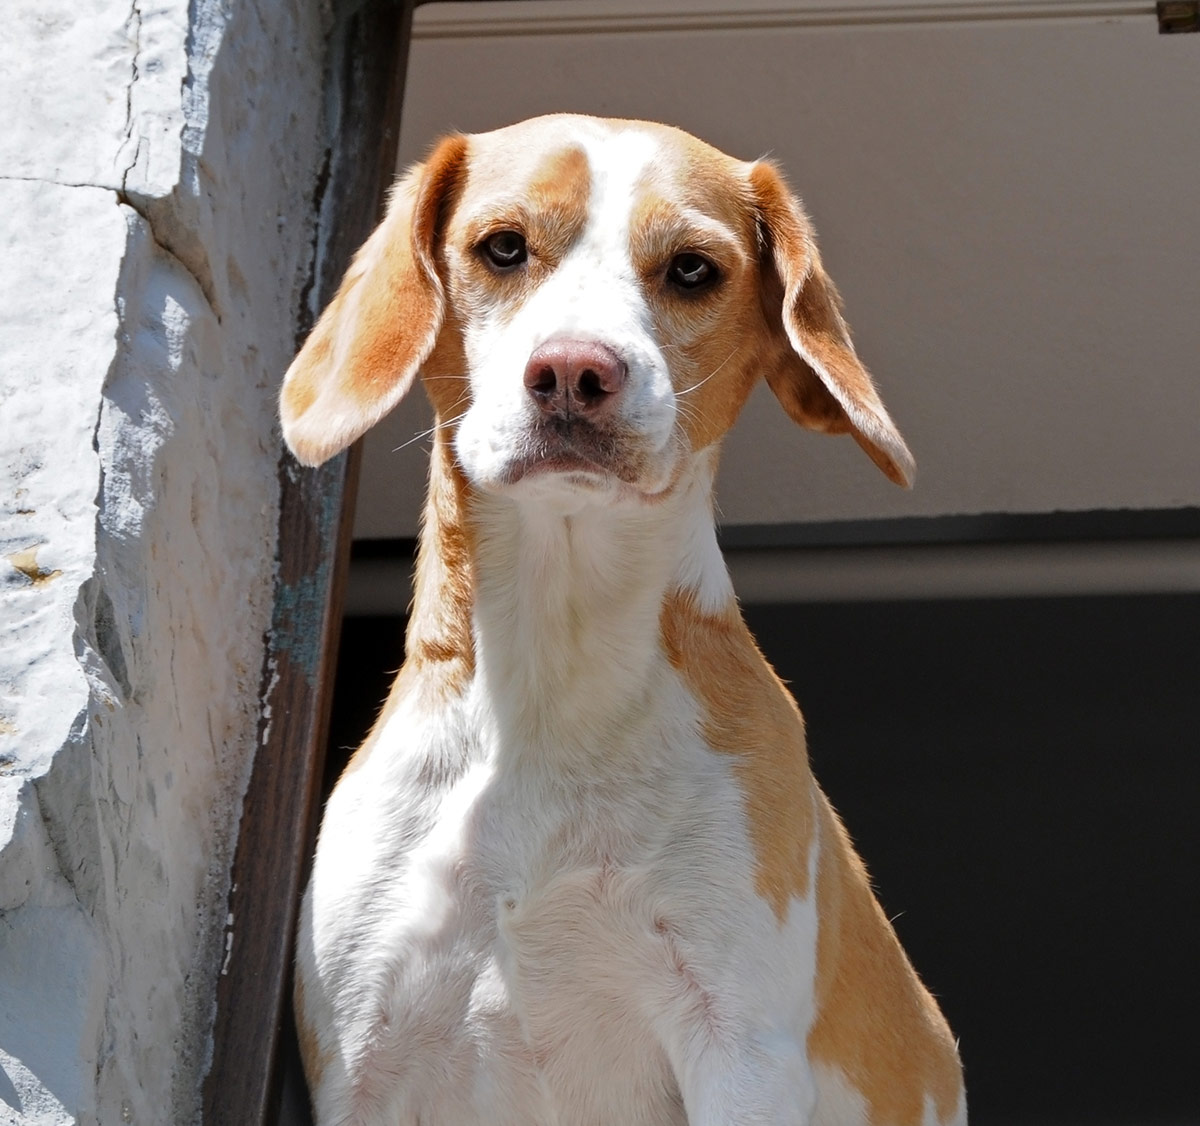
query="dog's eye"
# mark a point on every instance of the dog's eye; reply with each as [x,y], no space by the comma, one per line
[691,271]
[505,249]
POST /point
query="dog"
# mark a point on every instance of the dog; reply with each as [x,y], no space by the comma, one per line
[579,872]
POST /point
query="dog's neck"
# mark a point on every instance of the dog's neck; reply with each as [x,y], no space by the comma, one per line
[557,607]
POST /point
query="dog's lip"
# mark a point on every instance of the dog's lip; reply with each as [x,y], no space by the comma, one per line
[569,450]
[565,462]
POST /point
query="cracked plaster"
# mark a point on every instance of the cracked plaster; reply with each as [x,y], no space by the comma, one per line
[155,194]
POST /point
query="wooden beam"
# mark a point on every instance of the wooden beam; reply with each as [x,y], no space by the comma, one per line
[365,72]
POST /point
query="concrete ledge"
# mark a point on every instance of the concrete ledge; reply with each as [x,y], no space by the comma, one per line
[384,586]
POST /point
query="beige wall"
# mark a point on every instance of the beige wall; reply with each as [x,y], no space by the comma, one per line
[1002,200]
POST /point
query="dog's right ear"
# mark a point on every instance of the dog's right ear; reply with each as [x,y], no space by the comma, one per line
[821,383]
[364,353]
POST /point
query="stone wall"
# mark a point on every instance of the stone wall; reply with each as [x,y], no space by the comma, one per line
[157,168]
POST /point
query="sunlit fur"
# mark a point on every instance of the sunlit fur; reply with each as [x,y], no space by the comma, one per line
[580,871]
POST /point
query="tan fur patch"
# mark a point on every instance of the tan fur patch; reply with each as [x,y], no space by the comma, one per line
[545,200]
[399,305]
[440,643]
[364,352]
[749,714]
[714,339]
[440,631]
[660,228]
[876,1023]
[558,198]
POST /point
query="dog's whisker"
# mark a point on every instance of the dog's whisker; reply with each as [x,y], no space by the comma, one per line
[423,434]
[441,424]
[702,382]
[417,437]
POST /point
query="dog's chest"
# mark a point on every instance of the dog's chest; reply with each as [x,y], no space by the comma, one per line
[524,943]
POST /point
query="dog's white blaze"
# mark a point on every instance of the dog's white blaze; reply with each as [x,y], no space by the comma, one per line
[593,294]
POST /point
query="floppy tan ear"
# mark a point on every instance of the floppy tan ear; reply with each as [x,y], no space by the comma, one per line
[819,380]
[364,353]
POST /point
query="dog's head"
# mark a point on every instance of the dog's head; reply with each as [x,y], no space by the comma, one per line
[590,303]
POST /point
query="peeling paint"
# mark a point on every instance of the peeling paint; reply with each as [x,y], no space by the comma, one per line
[300,604]
[228,943]
[296,630]
[25,562]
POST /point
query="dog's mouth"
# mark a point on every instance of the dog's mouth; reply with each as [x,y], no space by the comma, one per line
[575,449]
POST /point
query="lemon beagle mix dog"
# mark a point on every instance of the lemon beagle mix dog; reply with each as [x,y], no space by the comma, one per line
[580,872]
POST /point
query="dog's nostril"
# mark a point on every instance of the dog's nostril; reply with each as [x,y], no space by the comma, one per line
[591,386]
[542,381]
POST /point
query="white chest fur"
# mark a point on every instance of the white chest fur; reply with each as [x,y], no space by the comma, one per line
[507,944]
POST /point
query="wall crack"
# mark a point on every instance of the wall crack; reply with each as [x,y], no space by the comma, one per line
[57,834]
[204,284]
[56,183]
[134,22]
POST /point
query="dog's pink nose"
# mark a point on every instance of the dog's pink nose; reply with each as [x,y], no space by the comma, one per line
[574,376]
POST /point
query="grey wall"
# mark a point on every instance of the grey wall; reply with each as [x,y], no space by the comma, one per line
[155,178]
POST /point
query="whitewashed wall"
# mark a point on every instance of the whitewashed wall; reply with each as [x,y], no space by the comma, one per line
[156,167]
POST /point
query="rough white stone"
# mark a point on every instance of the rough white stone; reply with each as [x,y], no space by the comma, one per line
[66,67]
[155,237]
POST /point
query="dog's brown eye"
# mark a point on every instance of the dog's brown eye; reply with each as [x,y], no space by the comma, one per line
[505,249]
[691,271]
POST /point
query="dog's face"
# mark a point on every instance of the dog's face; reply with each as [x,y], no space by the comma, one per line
[601,283]
[591,303]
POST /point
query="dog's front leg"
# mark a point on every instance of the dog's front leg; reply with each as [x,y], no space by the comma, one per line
[763,1080]
[733,1012]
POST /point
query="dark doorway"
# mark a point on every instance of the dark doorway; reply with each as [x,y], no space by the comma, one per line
[1021,777]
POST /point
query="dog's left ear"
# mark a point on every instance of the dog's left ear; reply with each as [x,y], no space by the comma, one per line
[819,380]
[364,353]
